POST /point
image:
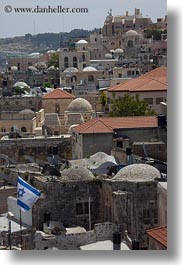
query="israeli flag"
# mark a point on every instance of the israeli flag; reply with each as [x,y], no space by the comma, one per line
[26,194]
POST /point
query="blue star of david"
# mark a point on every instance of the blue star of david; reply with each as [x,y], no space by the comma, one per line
[21,192]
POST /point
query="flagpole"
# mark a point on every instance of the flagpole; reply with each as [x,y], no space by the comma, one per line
[21,229]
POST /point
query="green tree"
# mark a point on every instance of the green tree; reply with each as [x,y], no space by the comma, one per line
[103,99]
[54,61]
[129,106]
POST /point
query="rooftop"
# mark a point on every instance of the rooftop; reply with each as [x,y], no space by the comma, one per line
[155,80]
[107,125]
[159,234]
[58,94]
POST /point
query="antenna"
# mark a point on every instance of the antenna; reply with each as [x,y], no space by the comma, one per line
[34,27]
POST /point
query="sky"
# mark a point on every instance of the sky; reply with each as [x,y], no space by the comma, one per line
[17,24]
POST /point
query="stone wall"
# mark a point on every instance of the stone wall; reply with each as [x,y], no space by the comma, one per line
[4,194]
[62,200]
[20,103]
[133,205]
[35,149]
[157,150]
[73,241]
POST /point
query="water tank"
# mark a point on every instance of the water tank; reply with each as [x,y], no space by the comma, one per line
[162,122]
[116,241]
[128,151]
[135,244]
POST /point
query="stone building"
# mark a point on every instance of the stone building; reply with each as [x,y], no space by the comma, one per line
[151,87]
[56,101]
[77,56]
[25,122]
[130,199]
[157,238]
[75,192]
[78,106]
[98,133]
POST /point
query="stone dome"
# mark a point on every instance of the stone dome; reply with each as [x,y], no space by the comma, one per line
[79,105]
[108,56]
[89,69]
[137,172]
[81,42]
[76,174]
[131,33]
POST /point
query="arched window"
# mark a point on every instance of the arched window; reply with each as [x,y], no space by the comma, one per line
[66,62]
[23,129]
[73,78]
[145,57]
[130,44]
[75,62]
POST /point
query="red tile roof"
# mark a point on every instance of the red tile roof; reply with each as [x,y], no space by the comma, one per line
[58,94]
[159,234]
[155,80]
[107,125]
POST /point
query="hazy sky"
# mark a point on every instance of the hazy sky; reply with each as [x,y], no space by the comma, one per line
[13,24]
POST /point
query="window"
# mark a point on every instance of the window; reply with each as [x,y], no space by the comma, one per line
[66,62]
[148,100]
[83,57]
[23,129]
[79,208]
[120,75]
[159,100]
[130,44]
[75,62]
[90,78]
[82,208]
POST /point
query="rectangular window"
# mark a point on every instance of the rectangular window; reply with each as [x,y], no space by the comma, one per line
[148,100]
[79,208]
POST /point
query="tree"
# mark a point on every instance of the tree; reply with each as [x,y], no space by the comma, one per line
[129,106]
[54,61]
[103,99]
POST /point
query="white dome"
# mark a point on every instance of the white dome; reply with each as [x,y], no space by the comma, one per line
[131,33]
[81,42]
[112,51]
[108,56]
[71,70]
[79,105]
[32,68]
[51,68]
[41,65]
[51,51]
[14,68]
[21,84]
[89,69]
[119,50]
[137,172]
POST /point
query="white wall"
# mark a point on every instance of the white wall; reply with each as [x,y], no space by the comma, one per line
[15,209]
